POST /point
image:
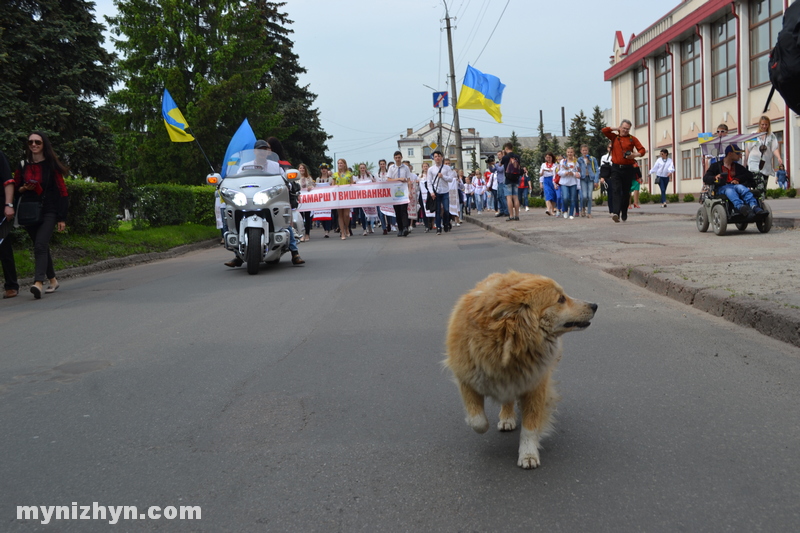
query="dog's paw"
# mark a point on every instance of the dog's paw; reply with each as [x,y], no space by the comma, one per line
[478,422]
[507,424]
[528,448]
[528,461]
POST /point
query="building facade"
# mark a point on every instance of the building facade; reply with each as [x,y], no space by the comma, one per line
[702,64]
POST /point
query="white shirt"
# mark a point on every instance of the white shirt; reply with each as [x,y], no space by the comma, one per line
[568,172]
[396,173]
[440,185]
[663,168]
[754,157]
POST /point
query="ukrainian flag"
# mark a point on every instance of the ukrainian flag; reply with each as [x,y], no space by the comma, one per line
[174,121]
[481,91]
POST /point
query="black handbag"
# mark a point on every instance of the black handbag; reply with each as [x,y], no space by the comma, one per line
[29,213]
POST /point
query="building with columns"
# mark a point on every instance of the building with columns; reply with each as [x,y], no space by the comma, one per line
[702,64]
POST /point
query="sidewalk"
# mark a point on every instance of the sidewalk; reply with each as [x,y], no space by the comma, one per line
[749,278]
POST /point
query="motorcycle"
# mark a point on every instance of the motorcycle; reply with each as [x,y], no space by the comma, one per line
[256,208]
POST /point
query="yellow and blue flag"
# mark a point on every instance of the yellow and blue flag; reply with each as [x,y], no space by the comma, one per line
[174,121]
[481,91]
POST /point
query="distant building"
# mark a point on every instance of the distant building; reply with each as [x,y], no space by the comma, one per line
[416,145]
[702,64]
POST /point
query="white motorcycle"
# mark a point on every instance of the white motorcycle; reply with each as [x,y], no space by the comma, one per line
[256,209]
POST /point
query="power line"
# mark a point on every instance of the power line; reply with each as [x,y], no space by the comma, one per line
[490,35]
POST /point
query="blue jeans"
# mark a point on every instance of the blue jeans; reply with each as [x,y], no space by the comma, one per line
[442,209]
[737,193]
[502,207]
[523,196]
[569,193]
[560,198]
[663,181]
[479,202]
[587,187]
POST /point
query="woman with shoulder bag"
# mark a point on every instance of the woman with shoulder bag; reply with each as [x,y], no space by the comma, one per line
[39,182]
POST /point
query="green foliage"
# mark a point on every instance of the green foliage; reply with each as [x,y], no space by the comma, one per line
[544,145]
[791,193]
[529,159]
[672,198]
[93,207]
[54,68]
[776,193]
[514,140]
[597,141]
[203,213]
[598,200]
[644,196]
[535,201]
[688,198]
[577,133]
[162,205]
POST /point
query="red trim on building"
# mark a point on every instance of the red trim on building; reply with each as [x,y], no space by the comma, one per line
[697,16]
[620,40]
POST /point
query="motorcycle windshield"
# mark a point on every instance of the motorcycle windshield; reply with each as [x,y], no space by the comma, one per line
[252,163]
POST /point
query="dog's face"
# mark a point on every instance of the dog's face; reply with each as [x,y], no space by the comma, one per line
[536,303]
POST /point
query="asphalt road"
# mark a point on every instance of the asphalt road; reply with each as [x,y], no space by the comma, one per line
[313,399]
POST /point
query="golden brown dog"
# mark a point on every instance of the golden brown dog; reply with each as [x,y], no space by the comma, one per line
[504,341]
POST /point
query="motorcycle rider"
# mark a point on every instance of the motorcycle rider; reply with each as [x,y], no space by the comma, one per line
[264,158]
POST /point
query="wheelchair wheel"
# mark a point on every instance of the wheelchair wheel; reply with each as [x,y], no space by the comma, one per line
[702,220]
[765,225]
[719,219]
[741,226]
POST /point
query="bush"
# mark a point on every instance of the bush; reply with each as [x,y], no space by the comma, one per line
[203,213]
[535,201]
[162,205]
[656,198]
[791,193]
[93,207]
[688,198]
[644,196]
[598,200]
[775,193]
[673,198]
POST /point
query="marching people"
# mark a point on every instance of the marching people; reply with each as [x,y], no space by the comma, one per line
[343,177]
[306,184]
[439,178]
[512,170]
[636,185]
[413,196]
[386,220]
[400,172]
[663,170]
[500,178]
[764,149]
[480,191]
[422,189]
[325,178]
[524,188]
[624,151]
[590,172]
[547,173]
[11,285]
[40,180]
[367,221]
[569,177]
[605,178]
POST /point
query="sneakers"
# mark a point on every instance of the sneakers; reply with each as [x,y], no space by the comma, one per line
[565,214]
[572,218]
[615,217]
[526,208]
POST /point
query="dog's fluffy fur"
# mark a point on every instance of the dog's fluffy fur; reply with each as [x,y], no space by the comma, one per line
[504,341]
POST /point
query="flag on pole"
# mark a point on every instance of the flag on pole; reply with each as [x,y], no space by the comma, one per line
[243,139]
[481,91]
[174,121]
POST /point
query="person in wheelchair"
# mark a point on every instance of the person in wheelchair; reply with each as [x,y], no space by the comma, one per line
[732,180]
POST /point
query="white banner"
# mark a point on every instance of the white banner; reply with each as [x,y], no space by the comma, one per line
[351,196]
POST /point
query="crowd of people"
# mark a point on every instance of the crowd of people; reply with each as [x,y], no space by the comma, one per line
[41,208]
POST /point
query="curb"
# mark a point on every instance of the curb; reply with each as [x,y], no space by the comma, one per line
[768,318]
[131,260]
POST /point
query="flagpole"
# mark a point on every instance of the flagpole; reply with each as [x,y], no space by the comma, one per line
[202,151]
[456,123]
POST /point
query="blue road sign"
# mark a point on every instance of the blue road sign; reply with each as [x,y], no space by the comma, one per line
[440,99]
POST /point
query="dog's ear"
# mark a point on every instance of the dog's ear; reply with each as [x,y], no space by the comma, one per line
[517,324]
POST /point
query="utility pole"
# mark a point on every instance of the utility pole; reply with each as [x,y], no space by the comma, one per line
[456,123]
[563,123]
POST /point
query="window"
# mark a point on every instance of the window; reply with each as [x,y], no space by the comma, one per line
[410,152]
[723,57]
[698,163]
[686,165]
[766,19]
[426,152]
[451,151]
[640,97]
[663,86]
[691,74]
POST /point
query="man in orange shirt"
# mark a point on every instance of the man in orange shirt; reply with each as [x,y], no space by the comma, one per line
[625,148]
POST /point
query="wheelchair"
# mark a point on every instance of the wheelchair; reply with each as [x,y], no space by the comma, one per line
[717,211]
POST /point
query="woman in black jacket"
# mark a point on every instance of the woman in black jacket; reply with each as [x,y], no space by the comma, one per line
[40,179]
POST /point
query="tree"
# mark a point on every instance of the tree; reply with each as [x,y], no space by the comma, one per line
[54,68]
[577,133]
[544,145]
[555,147]
[305,141]
[597,141]
[516,148]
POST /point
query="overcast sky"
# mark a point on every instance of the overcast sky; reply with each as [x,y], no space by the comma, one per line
[368,61]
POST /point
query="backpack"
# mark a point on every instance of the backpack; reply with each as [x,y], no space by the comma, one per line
[513,168]
[784,60]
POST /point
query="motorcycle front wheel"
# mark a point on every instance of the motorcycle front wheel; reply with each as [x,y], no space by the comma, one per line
[253,250]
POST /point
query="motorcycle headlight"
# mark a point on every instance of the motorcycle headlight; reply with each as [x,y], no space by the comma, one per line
[262,197]
[238,198]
